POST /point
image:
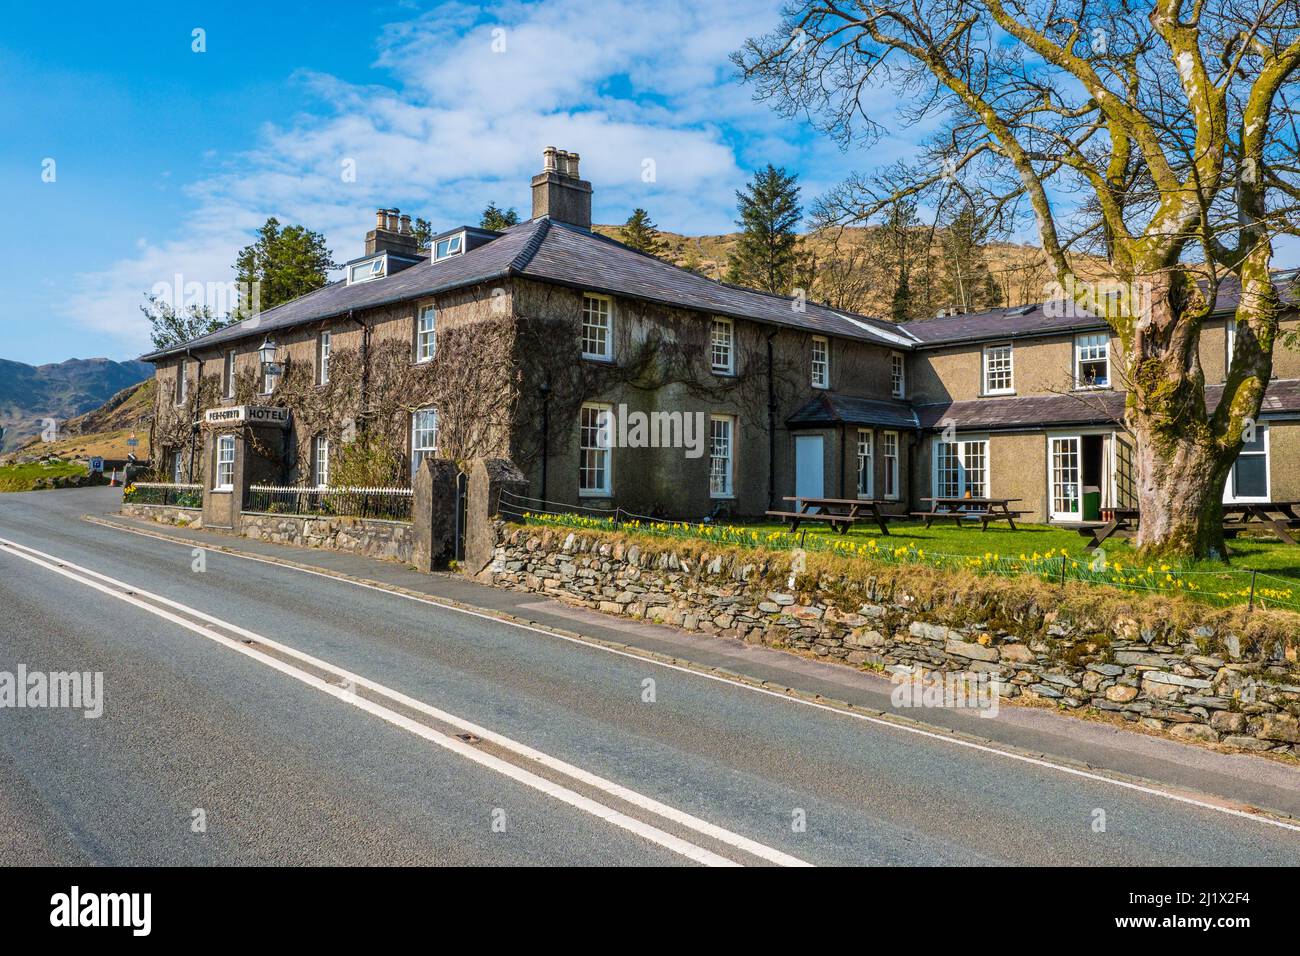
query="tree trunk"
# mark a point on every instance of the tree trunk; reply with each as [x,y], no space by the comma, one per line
[1182,464]
[1180,493]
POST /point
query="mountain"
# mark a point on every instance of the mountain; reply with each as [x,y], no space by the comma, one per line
[31,394]
[850,272]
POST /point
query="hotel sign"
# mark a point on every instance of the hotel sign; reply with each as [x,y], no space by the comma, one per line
[247,415]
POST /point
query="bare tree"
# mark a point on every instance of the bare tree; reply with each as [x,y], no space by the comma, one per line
[1170,119]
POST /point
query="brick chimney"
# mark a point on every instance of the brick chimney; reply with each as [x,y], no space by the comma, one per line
[558,192]
[392,233]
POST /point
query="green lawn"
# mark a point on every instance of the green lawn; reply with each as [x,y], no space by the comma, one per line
[1264,554]
[1040,550]
[22,477]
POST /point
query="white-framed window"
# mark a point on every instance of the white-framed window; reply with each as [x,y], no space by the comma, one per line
[365,271]
[897,375]
[1250,479]
[229,390]
[597,327]
[821,362]
[323,358]
[889,458]
[722,430]
[722,347]
[178,466]
[866,463]
[999,374]
[961,468]
[225,463]
[320,461]
[426,333]
[1092,360]
[182,382]
[594,465]
[1230,344]
[424,436]
[449,246]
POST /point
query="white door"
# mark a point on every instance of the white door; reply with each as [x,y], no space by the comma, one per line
[1067,490]
[808,480]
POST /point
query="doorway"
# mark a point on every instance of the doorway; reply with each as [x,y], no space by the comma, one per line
[809,478]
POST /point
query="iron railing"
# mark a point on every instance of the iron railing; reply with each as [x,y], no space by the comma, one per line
[164,493]
[389,504]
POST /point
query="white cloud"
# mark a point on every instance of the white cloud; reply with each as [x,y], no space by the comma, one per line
[621,84]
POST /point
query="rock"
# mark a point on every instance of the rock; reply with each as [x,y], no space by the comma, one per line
[1226,722]
[785,600]
[1121,693]
[1017,653]
[1042,690]
[1247,743]
[864,638]
[1194,732]
[1139,657]
[1282,727]
[1164,677]
[767,607]
[977,652]
[927,631]
[1106,670]
[1233,645]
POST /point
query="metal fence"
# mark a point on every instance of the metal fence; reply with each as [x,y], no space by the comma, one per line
[164,493]
[389,504]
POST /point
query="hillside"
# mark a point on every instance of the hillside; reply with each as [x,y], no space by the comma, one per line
[31,394]
[102,431]
[851,276]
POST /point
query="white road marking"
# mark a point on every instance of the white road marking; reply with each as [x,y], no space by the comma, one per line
[867,718]
[689,850]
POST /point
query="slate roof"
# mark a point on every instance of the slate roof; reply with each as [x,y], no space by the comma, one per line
[1019,321]
[558,253]
[828,408]
[1007,323]
[1104,407]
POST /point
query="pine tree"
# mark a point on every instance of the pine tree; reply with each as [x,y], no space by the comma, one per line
[287,263]
[967,283]
[769,253]
[641,234]
[498,219]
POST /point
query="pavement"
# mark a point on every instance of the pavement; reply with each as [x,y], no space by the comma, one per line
[280,705]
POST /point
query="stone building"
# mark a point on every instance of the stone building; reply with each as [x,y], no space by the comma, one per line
[612,377]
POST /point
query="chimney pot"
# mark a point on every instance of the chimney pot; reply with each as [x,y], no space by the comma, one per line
[405,223]
[558,193]
[380,217]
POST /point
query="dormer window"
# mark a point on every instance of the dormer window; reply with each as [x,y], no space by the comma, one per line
[370,269]
[449,246]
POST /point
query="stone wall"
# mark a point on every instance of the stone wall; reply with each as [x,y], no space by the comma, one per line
[1200,682]
[167,514]
[365,536]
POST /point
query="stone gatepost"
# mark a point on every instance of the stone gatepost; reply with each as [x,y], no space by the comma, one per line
[433,514]
[242,445]
[488,477]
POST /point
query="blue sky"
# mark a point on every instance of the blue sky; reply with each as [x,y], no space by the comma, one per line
[166,159]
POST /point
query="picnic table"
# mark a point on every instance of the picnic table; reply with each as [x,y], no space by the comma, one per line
[1278,516]
[982,510]
[840,513]
[1121,521]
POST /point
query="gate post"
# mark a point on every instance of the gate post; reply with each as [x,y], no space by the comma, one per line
[433,514]
[488,477]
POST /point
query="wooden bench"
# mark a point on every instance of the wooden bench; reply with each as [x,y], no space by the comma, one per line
[838,523]
[982,510]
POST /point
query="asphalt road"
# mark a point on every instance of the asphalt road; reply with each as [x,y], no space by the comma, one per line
[308,720]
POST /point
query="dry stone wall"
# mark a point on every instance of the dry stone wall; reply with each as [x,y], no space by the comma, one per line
[1193,683]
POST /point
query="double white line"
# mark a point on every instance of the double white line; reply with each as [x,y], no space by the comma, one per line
[204,624]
